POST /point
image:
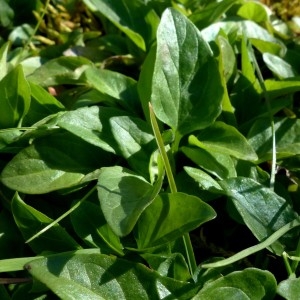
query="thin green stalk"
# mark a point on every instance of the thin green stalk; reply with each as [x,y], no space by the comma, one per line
[251,250]
[161,147]
[287,264]
[17,264]
[75,206]
[297,254]
[160,143]
[37,24]
[266,95]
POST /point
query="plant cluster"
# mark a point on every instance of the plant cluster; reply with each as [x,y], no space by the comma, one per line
[149,150]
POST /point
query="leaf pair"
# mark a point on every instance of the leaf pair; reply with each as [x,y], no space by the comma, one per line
[127,199]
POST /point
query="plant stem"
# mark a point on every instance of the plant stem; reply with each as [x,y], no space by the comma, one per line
[37,24]
[161,147]
[266,95]
[287,264]
[160,143]
[62,216]
[297,254]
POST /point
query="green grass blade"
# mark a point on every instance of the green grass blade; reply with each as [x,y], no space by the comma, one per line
[251,250]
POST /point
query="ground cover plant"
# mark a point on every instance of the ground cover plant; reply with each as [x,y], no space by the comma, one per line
[148,150]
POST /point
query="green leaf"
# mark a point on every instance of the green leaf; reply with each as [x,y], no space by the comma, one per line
[15,98]
[114,87]
[42,104]
[227,57]
[260,37]
[263,211]
[247,88]
[205,181]
[8,137]
[169,216]
[123,196]
[289,289]
[287,142]
[248,284]
[6,14]
[62,70]
[135,141]
[278,66]
[206,16]
[186,87]
[98,276]
[30,221]
[223,138]
[92,125]
[89,223]
[144,85]
[134,18]
[218,164]
[55,162]
[21,34]
[3,58]
[253,11]
[277,88]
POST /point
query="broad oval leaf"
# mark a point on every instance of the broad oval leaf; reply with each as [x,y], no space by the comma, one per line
[30,221]
[92,125]
[113,86]
[55,162]
[249,284]
[187,89]
[289,289]
[278,66]
[123,196]
[263,211]
[62,70]
[253,11]
[169,216]
[98,276]
[223,138]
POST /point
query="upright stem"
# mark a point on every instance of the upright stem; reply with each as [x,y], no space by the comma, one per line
[161,147]
[74,207]
[160,143]
[266,95]
[297,254]
[38,24]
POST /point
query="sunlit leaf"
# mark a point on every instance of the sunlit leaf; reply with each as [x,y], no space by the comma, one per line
[169,216]
[262,210]
[186,86]
[248,284]
[15,98]
[123,196]
[104,277]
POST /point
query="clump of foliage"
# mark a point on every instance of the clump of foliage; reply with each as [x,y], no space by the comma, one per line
[149,150]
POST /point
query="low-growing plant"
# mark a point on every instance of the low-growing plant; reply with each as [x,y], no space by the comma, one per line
[149,151]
